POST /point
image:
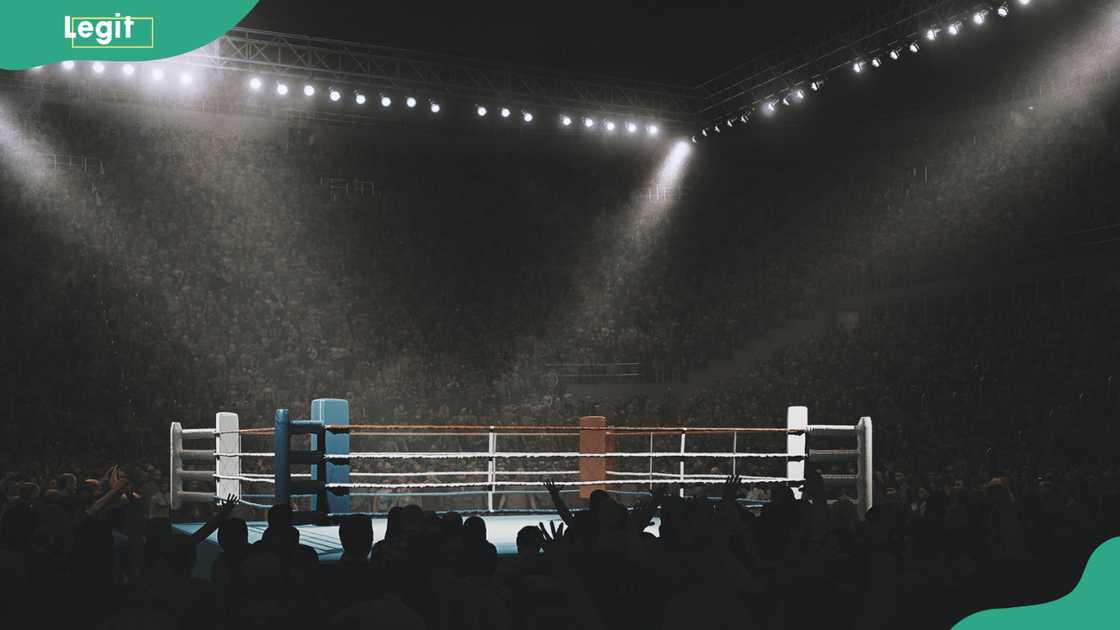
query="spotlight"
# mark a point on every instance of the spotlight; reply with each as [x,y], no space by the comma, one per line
[730,123]
[386,101]
[931,33]
[481,111]
[744,117]
[410,102]
[771,106]
[566,120]
[157,74]
[334,94]
[67,65]
[914,47]
[504,112]
[704,132]
[255,84]
[857,67]
[693,139]
[282,89]
[876,62]
[588,122]
[185,79]
[798,94]
[1024,2]
[309,90]
[98,67]
[359,98]
[717,129]
[631,127]
[527,116]
[609,125]
[954,28]
[652,130]
[979,17]
[1003,10]
[895,54]
[785,100]
[816,84]
[434,107]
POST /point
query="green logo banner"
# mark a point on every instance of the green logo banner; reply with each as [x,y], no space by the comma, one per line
[50,31]
[1092,603]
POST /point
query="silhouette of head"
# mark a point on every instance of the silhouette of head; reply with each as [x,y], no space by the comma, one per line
[474,529]
[529,541]
[356,533]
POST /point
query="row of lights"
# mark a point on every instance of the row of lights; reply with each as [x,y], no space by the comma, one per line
[482,111]
[797,93]
[281,89]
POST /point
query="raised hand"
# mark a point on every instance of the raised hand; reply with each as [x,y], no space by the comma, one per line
[550,485]
[731,488]
[553,534]
[228,506]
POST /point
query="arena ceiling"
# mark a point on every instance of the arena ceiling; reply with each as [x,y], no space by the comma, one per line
[673,41]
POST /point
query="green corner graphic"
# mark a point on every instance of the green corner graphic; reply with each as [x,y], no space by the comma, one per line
[1091,604]
[50,31]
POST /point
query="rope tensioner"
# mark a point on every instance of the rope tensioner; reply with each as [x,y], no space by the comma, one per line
[329,458]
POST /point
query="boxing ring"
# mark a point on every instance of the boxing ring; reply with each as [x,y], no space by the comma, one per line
[481,468]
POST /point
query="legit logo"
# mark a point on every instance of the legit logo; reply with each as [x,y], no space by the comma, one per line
[111,32]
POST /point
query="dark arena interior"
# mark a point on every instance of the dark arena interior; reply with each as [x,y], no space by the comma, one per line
[603,315]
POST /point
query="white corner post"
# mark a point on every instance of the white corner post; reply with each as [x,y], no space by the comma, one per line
[797,419]
[227,448]
[492,469]
[865,473]
[175,481]
[684,432]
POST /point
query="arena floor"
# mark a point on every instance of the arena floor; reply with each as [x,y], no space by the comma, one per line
[501,529]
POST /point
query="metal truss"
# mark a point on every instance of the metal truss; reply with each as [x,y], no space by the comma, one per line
[771,75]
[382,68]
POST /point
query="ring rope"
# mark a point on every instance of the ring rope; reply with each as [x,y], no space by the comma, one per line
[453,473]
[745,480]
[545,454]
[551,427]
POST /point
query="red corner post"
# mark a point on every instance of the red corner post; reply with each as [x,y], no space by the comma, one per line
[592,440]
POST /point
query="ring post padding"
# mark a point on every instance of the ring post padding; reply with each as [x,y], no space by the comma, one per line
[332,411]
[175,482]
[227,444]
[797,418]
[864,471]
[592,440]
[280,447]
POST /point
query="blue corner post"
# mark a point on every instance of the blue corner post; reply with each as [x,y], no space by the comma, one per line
[281,446]
[333,412]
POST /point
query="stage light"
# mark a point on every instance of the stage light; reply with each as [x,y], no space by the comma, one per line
[67,65]
[771,106]
[857,67]
[410,102]
[566,120]
[798,94]
[282,89]
[979,17]
[693,139]
[527,116]
[309,90]
[895,54]
[785,100]
[504,112]
[931,33]
[816,84]
[588,122]
[717,129]
[631,127]
[386,101]
[652,130]
[914,47]
[876,62]
[334,95]
[744,117]
[157,74]
[480,110]
[255,84]
[1003,10]
[704,132]
[185,79]
[609,125]
[359,98]
[1024,2]
[954,28]
[98,67]
[434,107]
[730,123]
